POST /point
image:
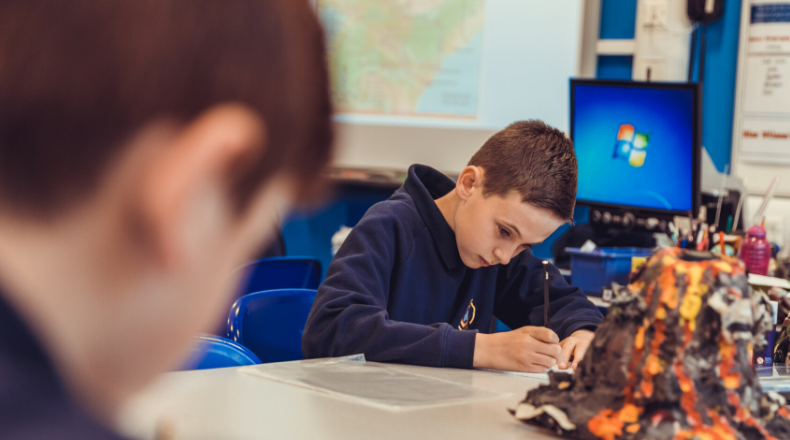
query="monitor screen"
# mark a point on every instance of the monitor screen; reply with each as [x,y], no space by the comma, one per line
[635,143]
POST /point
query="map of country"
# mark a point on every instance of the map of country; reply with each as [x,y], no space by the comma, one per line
[404,57]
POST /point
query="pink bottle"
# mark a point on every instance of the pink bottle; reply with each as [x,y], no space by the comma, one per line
[756,251]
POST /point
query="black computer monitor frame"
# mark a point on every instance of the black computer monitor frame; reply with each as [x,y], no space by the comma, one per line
[696,145]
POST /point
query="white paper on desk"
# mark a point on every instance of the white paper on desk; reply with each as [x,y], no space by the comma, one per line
[540,376]
[371,384]
[762,280]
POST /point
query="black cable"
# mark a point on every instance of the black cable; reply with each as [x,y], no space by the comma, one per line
[701,77]
[691,53]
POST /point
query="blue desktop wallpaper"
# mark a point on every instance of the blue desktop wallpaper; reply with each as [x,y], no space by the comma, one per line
[634,146]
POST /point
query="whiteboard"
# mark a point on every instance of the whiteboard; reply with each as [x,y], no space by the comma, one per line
[530,50]
[761,125]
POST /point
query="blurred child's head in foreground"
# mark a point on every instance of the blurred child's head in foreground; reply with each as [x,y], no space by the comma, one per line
[148,147]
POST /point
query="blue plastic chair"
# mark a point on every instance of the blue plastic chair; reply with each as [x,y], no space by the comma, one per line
[279,273]
[270,323]
[217,352]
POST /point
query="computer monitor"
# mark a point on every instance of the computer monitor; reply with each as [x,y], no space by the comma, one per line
[638,147]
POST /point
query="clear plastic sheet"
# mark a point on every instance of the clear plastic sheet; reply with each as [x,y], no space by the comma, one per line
[537,376]
[376,385]
[774,377]
[777,385]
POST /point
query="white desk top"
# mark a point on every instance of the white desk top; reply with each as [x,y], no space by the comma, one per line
[228,404]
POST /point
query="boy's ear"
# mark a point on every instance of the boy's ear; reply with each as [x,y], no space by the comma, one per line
[185,196]
[469,181]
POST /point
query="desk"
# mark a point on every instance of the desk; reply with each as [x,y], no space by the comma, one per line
[228,404]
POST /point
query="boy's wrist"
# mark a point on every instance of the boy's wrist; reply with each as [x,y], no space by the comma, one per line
[481,356]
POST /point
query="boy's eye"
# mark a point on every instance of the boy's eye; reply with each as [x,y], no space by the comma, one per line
[504,232]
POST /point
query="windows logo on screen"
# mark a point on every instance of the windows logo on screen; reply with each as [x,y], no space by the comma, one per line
[631,146]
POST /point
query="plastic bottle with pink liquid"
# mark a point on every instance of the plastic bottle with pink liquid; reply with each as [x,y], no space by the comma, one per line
[756,251]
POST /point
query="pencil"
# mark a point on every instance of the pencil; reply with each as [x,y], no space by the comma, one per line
[546,301]
[721,241]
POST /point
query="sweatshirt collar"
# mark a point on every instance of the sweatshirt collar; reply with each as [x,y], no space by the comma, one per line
[425,185]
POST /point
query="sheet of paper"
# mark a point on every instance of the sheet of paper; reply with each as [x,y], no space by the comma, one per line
[762,280]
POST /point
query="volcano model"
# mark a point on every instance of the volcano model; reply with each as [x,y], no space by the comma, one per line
[672,360]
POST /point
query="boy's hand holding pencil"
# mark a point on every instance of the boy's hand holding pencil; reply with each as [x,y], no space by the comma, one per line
[528,349]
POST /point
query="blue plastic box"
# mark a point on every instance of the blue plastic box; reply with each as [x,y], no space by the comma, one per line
[592,271]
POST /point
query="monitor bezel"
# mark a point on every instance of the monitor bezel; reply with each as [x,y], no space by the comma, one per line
[696,144]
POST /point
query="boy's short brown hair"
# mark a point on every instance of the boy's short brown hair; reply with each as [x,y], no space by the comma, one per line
[78,77]
[534,159]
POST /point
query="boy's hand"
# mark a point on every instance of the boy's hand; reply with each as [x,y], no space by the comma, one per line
[574,347]
[528,349]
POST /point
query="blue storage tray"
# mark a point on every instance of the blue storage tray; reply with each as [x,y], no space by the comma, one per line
[592,271]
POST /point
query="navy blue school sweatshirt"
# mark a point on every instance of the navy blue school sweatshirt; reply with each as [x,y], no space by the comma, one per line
[35,402]
[398,291]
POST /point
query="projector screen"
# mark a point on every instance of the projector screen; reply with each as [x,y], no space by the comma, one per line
[428,81]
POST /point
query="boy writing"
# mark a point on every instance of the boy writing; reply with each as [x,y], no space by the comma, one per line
[147,148]
[421,276]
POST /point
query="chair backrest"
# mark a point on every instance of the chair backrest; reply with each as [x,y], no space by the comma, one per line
[279,273]
[270,323]
[210,351]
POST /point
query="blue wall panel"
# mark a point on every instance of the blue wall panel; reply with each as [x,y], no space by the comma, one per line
[718,90]
[617,19]
[614,67]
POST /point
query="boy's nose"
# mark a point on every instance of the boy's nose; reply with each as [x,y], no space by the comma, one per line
[503,255]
